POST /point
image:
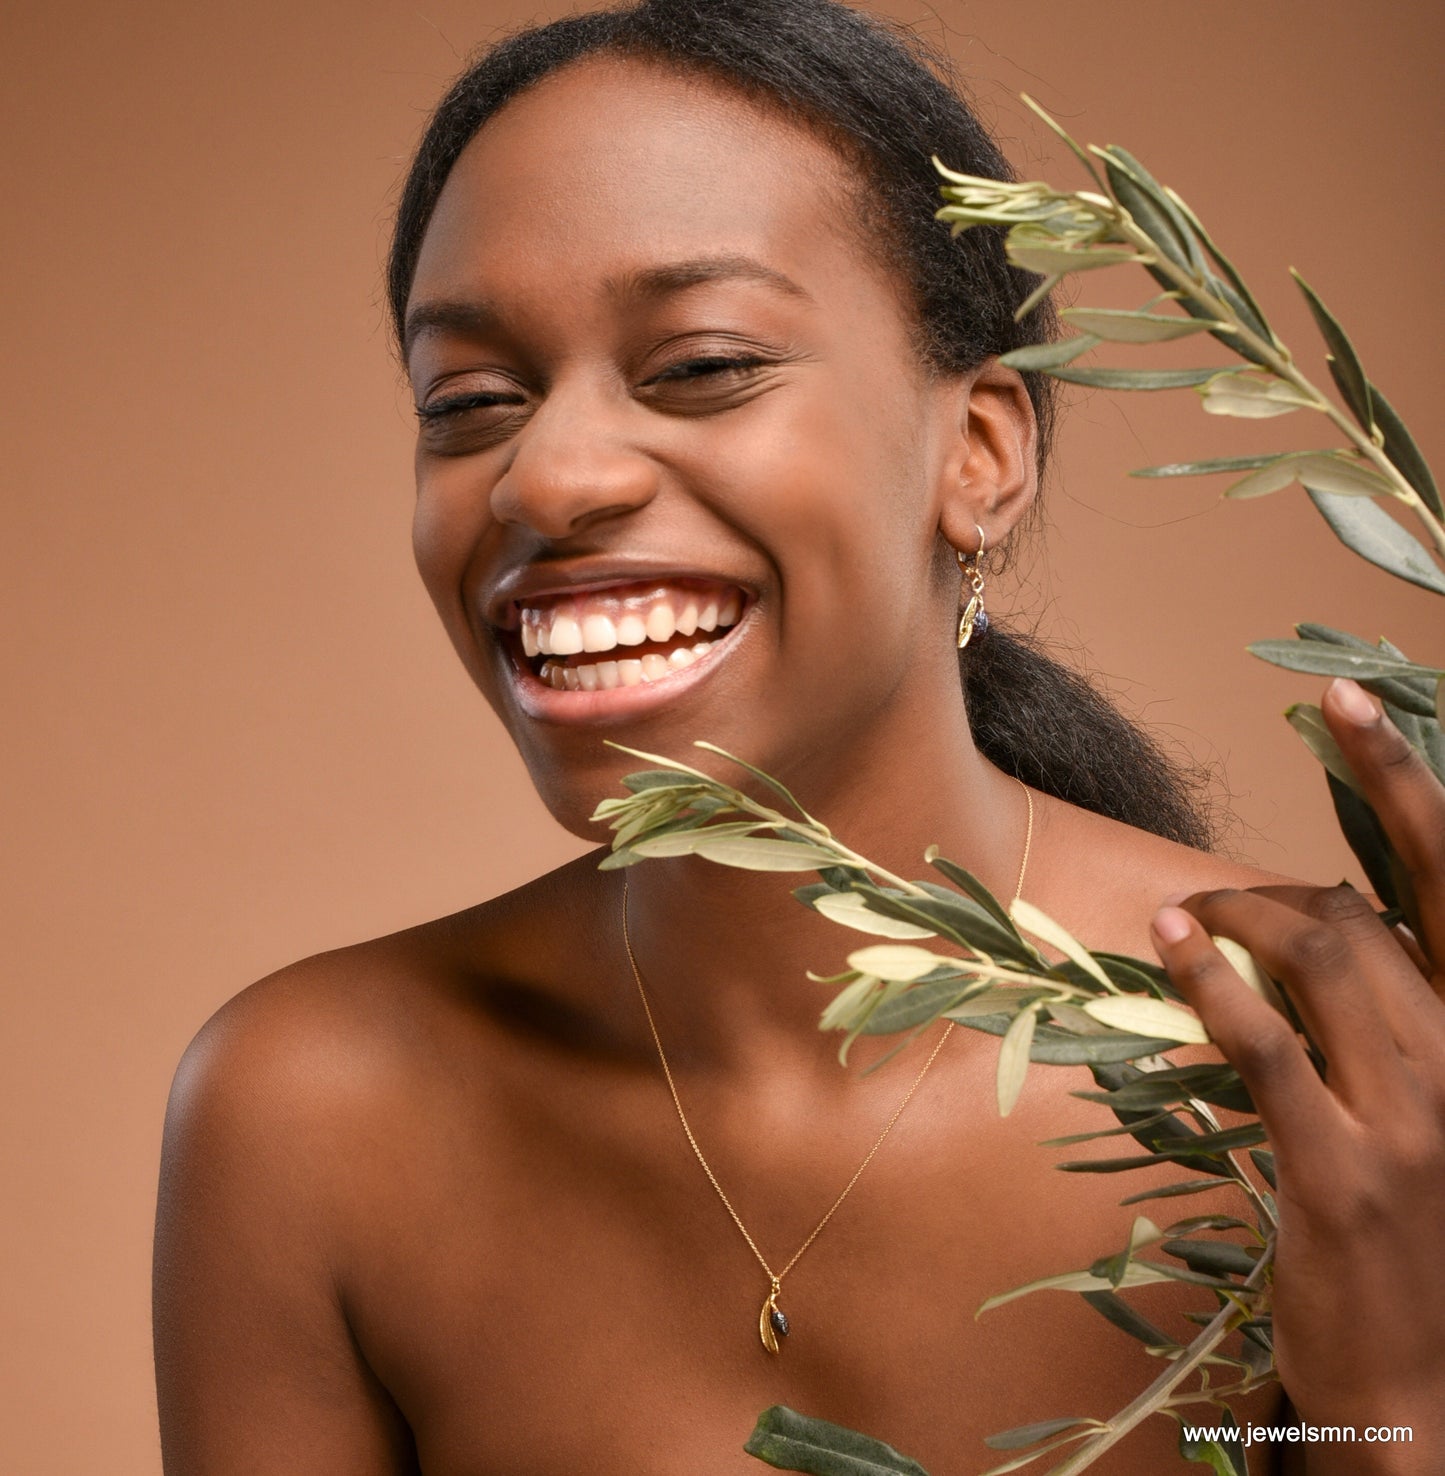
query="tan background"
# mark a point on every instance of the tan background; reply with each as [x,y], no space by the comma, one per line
[235,733]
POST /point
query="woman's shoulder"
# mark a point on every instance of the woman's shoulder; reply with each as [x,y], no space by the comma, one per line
[372,1022]
[1105,880]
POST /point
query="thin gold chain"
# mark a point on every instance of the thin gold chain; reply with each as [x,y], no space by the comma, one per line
[777,1277]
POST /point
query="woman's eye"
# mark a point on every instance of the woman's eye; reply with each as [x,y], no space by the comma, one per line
[449,405]
[708,366]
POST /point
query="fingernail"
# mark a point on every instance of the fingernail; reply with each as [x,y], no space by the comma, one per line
[1172,925]
[1354,702]
[1175,898]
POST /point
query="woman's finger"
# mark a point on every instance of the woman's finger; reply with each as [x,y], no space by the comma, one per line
[1404,792]
[1256,1039]
[1337,963]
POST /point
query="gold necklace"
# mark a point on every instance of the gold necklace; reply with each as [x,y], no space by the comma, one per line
[772,1320]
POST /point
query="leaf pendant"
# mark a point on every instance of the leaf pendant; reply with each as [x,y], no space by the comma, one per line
[772,1321]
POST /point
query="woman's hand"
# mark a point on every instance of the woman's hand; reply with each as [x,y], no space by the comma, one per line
[1359,1306]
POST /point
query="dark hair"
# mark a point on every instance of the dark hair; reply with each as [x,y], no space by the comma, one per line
[887,102]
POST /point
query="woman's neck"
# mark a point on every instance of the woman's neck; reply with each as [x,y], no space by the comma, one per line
[725,953]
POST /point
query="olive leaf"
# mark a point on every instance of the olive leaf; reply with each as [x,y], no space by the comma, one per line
[1053,355]
[1013,1058]
[1116,325]
[1237,392]
[1210,467]
[1372,533]
[1136,379]
[1344,362]
[789,1441]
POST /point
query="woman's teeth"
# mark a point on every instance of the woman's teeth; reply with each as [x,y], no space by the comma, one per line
[660,618]
[603,676]
[604,621]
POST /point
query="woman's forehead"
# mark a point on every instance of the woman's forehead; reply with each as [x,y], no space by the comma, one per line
[613,164]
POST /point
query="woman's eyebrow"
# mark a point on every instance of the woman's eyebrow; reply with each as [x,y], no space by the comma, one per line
[678,276]
[476,316]
[472,317]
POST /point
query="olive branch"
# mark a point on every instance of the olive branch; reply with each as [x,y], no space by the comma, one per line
[951,951]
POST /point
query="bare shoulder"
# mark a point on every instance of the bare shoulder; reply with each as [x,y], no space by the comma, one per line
[1106,879]
[302,1117]
[317,1054]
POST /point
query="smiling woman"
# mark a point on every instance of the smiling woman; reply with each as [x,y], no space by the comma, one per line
[710,416]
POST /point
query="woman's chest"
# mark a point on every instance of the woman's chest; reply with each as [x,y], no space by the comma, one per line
[560,1301]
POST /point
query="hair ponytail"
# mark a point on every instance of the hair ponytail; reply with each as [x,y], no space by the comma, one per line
[1046,724]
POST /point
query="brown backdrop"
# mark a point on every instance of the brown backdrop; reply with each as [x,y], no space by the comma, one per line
[235,733]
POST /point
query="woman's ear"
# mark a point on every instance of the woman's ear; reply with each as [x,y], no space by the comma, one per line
[991,476]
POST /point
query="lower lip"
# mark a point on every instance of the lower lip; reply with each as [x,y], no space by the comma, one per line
[540,700]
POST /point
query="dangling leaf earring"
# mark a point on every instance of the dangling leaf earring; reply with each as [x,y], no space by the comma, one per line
[974,619]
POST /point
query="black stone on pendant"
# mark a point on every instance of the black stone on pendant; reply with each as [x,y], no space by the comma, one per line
[779,1320]
[980,624]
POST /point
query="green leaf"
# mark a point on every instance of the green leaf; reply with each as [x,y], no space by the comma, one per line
[917,1006]
[1239,296]
[961,918]
[1247,967]
[842,1011]
[1055,1047]
[789,1441]
[1143,1232]
[1214,1257]
[1176,1191]
[1372,533]
[1345,362]
[779,789]
[899,961]
[753,853]
[1136,379]
[659,779]
[1054,355]
[1236,392]
[1149,1017]
[1308,721]
[1022,1435]
[1208,1222]
[1131,1125]
[1224,1455]
[1208,468]
[1366,837]
[1138,1273]
[1135,975]
[686,841]
[1036,251]
[1334,661]
[1273,477]
[1154,213]
[1208,1144]
[1032,920]
[1264,1162]
[1400,447]
[968,883]
[1115,325]
[1113,1307]
[852,911]
[1150,1090]
[1338,474]
[1410,687]
[1013,1058]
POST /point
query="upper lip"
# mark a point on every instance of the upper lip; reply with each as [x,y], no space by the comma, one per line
[515,587]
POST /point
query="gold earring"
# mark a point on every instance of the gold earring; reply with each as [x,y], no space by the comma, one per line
[974,619]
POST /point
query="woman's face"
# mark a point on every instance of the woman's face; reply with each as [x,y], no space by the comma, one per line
[680,474]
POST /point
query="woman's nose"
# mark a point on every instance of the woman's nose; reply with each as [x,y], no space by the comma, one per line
[572,466]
